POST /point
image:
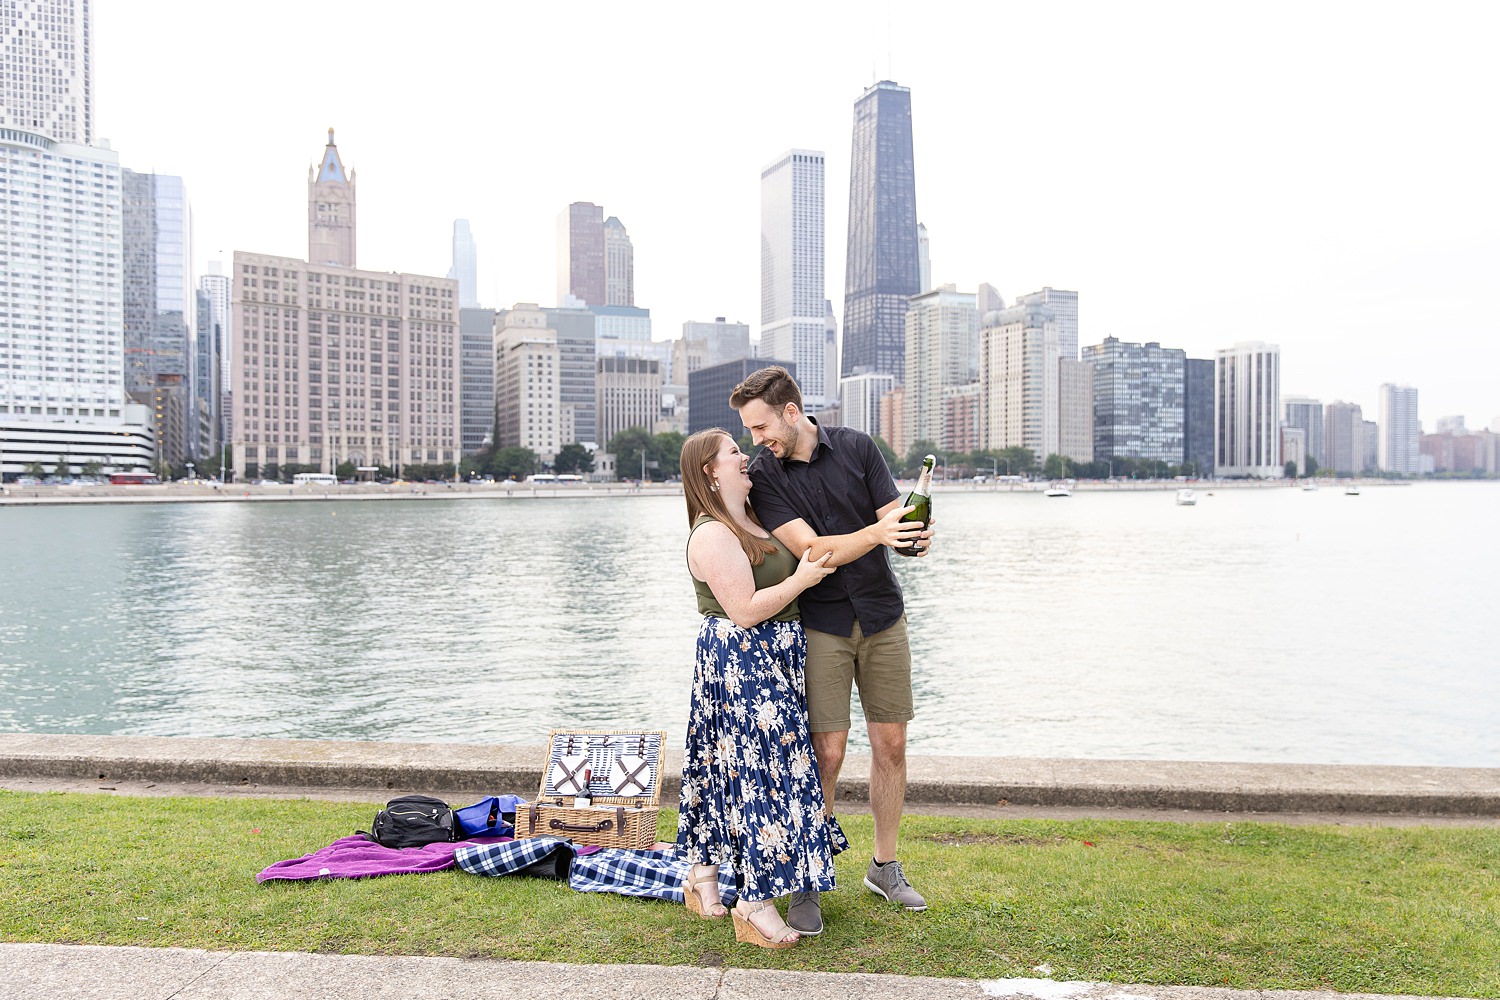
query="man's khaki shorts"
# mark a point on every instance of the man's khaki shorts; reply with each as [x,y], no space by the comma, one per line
[880,664]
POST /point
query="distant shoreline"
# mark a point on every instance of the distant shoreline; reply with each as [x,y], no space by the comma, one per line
[62,495]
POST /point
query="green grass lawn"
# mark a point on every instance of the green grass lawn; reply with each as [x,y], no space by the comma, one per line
[1246,905]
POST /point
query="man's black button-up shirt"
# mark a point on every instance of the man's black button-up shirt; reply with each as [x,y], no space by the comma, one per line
[837,492]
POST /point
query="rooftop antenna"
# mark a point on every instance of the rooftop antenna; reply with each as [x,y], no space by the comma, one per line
[888,45]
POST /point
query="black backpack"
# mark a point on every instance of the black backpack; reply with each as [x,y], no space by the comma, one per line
[412,821]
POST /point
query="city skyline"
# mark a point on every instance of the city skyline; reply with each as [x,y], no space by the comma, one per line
[1338,207]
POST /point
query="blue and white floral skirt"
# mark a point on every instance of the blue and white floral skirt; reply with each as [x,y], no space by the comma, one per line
[750,793]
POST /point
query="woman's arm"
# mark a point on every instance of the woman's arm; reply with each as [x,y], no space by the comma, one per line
[715,557]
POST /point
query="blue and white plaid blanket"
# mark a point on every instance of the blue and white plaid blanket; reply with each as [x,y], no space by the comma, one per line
[653,874]
[657,874]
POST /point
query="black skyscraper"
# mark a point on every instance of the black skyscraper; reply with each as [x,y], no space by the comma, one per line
[881,269]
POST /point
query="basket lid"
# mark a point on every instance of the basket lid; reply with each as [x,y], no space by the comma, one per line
[618,766]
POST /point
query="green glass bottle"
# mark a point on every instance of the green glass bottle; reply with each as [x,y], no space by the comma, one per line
[920,497]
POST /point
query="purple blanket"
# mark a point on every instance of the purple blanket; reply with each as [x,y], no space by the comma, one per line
[356,857]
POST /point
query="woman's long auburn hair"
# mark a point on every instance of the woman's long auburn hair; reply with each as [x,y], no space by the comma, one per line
[697,451]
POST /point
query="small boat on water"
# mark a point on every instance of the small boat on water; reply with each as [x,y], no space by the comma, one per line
[1058,490]
[1309,487]
[1186,498]
[1352,490]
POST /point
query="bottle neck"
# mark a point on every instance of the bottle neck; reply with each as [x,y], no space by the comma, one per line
[924,483]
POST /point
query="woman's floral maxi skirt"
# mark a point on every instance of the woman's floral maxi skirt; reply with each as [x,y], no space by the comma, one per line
[750,792]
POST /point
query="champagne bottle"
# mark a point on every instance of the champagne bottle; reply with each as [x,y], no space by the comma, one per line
[921,498]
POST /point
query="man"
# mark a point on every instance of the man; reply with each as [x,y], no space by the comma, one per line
[828,489]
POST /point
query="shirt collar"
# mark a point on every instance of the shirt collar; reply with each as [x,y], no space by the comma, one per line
[824,441]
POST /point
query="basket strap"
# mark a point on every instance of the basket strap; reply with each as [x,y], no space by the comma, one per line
[604,825]
[634,777]
[573,775]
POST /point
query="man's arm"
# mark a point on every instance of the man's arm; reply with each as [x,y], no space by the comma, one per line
[889,530]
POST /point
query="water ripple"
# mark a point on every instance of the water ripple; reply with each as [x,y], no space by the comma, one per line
[1260,625]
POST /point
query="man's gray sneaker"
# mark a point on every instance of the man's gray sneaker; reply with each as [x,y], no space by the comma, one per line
[889,882]
[804,914]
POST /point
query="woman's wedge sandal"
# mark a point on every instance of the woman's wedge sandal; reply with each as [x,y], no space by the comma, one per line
[746,930]
[696,904]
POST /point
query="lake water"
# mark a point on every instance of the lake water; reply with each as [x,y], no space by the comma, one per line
[1261,625]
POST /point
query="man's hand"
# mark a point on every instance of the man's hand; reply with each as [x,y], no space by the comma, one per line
[924,540]
[894,533]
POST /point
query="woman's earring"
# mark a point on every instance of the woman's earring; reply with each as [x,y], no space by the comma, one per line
[714,486]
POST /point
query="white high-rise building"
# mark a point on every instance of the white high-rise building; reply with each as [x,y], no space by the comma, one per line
[1064,308]
[792,322]
[465,265]
[47,83]
[61,266]
[61,279]
[219,286]
[942,352]
[1247,410]
[859,402]
[1400,432]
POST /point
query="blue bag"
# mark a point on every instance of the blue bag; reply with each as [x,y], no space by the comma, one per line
[489,817]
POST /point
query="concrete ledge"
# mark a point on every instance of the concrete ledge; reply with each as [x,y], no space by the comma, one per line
[983,781]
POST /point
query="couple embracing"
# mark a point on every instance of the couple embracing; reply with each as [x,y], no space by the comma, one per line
[799,604]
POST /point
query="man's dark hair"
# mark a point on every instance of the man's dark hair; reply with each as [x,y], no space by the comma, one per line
[773,385]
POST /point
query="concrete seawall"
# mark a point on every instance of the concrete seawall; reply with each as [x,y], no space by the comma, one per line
[379,768]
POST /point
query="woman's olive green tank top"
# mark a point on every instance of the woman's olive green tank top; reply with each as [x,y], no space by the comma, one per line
[774,568]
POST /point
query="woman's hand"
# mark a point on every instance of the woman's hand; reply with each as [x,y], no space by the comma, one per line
[810,571]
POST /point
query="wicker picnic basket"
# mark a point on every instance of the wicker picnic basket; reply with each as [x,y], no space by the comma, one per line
[621,768]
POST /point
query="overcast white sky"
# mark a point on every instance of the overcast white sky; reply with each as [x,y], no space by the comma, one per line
[1318,175]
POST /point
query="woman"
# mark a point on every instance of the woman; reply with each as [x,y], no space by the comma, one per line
[750,792]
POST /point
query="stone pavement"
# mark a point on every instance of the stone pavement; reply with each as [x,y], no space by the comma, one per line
[85,971]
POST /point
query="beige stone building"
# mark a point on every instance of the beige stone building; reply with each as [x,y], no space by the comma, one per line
[629,395]
[333,364]
[1075,410]
[330,210]
[336,365]
[528,390]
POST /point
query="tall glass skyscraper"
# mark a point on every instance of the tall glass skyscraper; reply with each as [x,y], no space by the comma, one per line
[160,307]
[465,265]
[881,266]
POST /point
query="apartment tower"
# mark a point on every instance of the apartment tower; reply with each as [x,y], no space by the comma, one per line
[942,353]
[1400,431]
